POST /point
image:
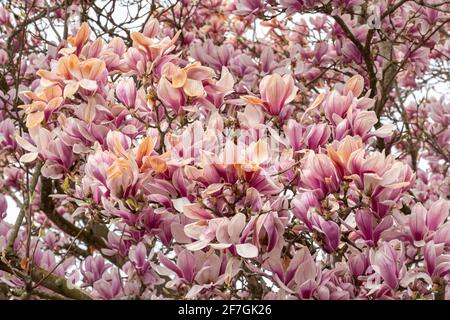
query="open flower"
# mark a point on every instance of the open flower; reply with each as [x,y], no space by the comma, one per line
[189,78]
[226,232]
[387,261]
[49,147]
[74,74]
[151,47]
[44,104]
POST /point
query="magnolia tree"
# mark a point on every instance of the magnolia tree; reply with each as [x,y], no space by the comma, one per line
[214,149]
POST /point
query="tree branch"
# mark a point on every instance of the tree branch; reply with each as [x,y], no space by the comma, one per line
[50,281]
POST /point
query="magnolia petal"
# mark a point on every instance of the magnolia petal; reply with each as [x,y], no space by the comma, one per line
[291,89]
[52,92]
[194,291]
[30,95]
[260,152]
[55,103]
[28,157]
[158,164]
[34,119]
[252,115]
[177,231]
[67,51]
[199,73]
[47,75]
[213,188]
[90,111]
[70,89]
[197,245]
[70,66]
[194,230]
[220,246]
[252,100]
[180,203]
[193,88]
[46,83]
[194,211]
[226,81]
[179,78]
[247,250]
[385,131]
[87,84]
[355,85]
[236,226]
[81,36]
[25,144]
[317,102]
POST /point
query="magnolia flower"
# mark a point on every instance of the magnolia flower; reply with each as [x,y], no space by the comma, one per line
[199,269]
[188,78]
[341,152]
[185,268]
[81,37]
[336,106]
[122,176]
[172,97]
[355,85]
[7,140]
[44,104]
[390,186]
[93,268]
[320,174]
[126,92]
[48,146]
[118,143]
[276,92]
[436,260]
[147,159]
[74,74]
[358,264]
[317,135]
[308,275]
[226,232]
[247,7]
[298,270]
[109,286]
[294,132]
[152,48]
[302,204]
[388,263]
[214,56]
[329,230]
[422,222]
[138,256]
[369,229]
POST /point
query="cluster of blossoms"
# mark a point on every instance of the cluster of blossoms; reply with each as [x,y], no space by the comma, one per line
[184,160]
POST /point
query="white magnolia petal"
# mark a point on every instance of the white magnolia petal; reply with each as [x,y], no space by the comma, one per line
[25,144]
[180,203]
[197,245]
[87,84]
[385,131]
[247,250]
[28,157]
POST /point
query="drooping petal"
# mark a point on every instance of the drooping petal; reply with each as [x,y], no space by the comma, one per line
[247,250]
